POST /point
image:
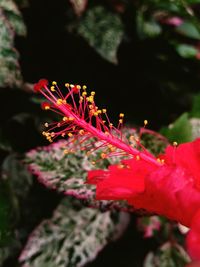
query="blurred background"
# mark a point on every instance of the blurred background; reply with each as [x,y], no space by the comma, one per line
[141,57]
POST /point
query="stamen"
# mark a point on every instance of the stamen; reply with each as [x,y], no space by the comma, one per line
[81,116]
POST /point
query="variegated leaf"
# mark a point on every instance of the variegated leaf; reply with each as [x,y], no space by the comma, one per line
[73,236]
[11,23]
[67,173]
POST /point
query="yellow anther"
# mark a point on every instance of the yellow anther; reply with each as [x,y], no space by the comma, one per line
[54,83]
[132,138]
[95,113]
[64,101]
[52,88]
[92,93]
[93,162]
[175,144]
[104,122]
[112,149]
[84,93]
[67,85]
[90,106]
[121,115]
[71,119]
[99,111]
[120,166]
[66,151]
[65,119]
[81,132]
[78,87]
[90,99]
[47,107]
[46,124]
[159,160]
[137,157]
[44,133]
[59,101]
[71,85]
[84,87]
[63,134]
[104,110]
[103,155]
[70,134]
[145,122]
[120,121]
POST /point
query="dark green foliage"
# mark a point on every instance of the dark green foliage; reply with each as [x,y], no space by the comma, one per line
[180,131]
[168,255]
[11,23]
[195,112]
[103,30]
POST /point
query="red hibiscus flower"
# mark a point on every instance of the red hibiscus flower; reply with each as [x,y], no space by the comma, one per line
[168,185]
[171,190]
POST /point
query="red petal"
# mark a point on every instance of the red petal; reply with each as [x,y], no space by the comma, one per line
[187,156]
[96,176]
[121,181]
[119,186]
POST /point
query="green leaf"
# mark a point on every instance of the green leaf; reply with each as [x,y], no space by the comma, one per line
[103,31]
[11,23]
[168,255]
[73,236]
[195,123]
[17,175]
[189,30]
[13,16]
[67,172]
[4,216]
[180,131]
[195,112]
[186,51]
[15,184]
[4,142]
[151,28]
[147,29]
